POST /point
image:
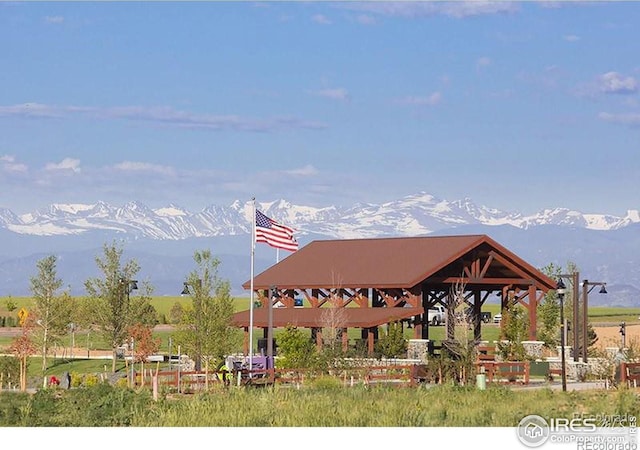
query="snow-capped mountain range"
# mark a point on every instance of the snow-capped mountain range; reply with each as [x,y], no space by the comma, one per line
[163,240]
[413,215]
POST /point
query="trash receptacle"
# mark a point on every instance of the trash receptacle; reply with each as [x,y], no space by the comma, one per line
[481,381]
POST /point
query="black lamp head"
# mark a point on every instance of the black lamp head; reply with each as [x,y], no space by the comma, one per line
[603,289]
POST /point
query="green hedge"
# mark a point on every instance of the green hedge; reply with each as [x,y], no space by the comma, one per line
[8,321]
[9,371]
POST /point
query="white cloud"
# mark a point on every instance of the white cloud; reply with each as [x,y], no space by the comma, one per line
[430,100]
[35,110]
[366,19]
[54,19]
[615,83]
[307,170]
[321,19]
[334,94]
[161,115]
[9,164]
[421,9]
[135,166]
[482,62]
[67,164]
[571,38]
[631,119]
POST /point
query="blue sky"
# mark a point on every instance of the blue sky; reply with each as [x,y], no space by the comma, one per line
[518,106]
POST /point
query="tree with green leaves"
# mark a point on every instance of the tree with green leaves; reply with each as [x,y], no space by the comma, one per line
[515,325]
[144,345]
[51,309]
[392,344]
[549,311]
[205,330]
[295,349]
[112,306]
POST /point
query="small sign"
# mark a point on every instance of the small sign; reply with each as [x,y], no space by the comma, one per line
[22,315]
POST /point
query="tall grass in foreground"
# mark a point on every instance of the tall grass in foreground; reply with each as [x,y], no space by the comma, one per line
[439,406]
[326,405]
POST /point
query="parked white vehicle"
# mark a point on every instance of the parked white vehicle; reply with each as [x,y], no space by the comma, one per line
[497,318]
[436,315]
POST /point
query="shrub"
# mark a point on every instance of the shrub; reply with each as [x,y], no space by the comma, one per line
[9,370]
[76,379]
[326,382]
[90,380]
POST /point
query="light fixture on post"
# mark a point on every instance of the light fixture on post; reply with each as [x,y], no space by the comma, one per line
[587,287]
[561,289]
[128,285]
[197,306]
[575,321]
[186,284]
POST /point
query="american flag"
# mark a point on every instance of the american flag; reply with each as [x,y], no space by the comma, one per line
[274,234]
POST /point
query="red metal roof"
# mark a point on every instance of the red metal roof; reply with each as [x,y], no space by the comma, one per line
[387,263]
[317,317]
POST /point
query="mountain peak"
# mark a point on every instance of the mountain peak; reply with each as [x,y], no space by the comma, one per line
[416,214]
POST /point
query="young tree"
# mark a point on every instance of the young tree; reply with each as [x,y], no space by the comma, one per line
[175,314]
[144,344]
[462,349]
[113,308]
[11,304]
[52,311]
[295,349]
[392,344]
[549,311]
[514,331]
[205,330]
[22,347]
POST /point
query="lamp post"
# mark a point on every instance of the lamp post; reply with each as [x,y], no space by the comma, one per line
[128,285]
[561,290]
[587,286]
[581,322]
[574,277]
[197,306]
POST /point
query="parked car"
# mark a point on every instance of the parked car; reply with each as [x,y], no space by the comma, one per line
[485,316]
[497,318]
[436,315]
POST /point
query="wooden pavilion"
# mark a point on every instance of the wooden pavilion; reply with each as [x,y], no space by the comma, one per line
[372,282]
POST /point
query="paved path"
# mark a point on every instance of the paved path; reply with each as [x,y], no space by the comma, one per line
[571,386]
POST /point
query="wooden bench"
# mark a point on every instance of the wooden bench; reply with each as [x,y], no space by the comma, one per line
[486,353]
[554,372]
[506,372]
[630,374]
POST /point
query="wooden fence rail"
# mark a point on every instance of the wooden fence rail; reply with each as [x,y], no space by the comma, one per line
[192,381]
[630,374]
[506,371]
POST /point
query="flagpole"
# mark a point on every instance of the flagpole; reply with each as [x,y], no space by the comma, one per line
[277,255]
[253,250]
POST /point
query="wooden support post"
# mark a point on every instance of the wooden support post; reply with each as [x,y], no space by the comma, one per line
[370,341]
[319,338]
[477,306]
[533,313]
[345,339]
